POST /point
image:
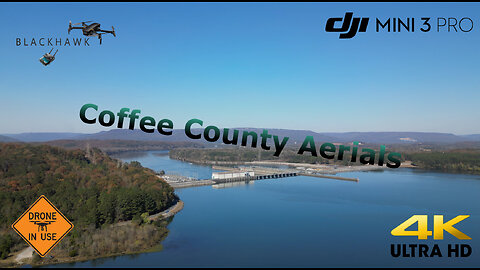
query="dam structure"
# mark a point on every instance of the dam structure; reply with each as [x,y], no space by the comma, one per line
[244,174]
[230,174]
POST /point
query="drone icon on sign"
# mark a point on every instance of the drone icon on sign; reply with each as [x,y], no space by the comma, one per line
[42,225]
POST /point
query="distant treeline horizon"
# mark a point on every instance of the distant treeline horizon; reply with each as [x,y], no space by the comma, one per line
[295,136]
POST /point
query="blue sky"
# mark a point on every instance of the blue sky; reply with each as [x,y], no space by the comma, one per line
[242,65]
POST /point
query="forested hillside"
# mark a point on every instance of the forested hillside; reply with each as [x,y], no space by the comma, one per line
[90,188]
[451,161]
[439,157]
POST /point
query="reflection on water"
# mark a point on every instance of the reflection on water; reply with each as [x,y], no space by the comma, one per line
[130,155]
[233,184]
[159,160]
[160,154]
[309,222]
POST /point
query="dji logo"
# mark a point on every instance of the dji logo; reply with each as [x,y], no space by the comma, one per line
[350,25]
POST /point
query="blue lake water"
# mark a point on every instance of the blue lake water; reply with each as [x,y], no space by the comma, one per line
[308,222]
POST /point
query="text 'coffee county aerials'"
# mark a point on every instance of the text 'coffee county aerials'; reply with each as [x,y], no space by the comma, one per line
[212,133]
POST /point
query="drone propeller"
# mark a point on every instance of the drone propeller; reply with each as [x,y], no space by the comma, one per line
[113,32]
[79,23]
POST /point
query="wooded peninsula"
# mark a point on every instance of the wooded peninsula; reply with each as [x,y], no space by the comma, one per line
[93,190]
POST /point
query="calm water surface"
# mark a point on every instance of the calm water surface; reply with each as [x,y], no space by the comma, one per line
[304,221]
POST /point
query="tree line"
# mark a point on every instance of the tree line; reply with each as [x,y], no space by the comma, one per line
[87,186]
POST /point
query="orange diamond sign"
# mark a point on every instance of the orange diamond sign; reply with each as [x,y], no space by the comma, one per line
[42,226]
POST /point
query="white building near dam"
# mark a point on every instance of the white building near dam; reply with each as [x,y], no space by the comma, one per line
[231,175]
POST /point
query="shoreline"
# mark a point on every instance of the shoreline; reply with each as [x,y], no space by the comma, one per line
[405,164]
[326,168]
[171,211]
[179,204]
[20,258]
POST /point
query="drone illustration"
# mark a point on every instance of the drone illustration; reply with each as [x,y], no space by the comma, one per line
[42,225]
[90,30]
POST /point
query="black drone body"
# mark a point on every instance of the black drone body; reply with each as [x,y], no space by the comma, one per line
[91,30]
[42,225]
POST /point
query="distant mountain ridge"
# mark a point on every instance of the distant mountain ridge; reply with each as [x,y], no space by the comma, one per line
[296,136]
[4,138]
[472,137]
[43,136]
[401,137]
